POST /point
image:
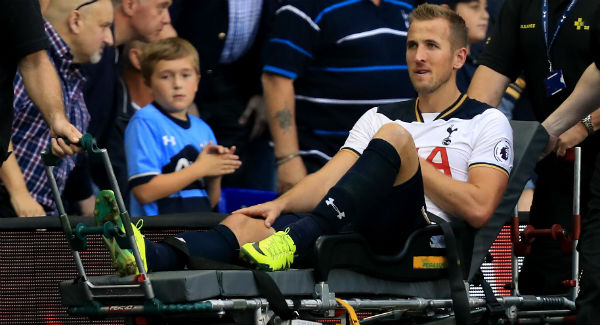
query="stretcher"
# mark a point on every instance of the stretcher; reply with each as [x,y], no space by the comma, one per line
[427,282]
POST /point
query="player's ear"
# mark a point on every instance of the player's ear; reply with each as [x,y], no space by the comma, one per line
[460,56]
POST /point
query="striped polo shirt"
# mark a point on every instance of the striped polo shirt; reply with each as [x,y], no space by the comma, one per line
[345,57]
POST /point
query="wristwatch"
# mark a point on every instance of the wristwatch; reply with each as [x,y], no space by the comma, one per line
[587,122]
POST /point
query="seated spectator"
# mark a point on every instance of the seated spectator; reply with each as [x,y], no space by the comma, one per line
[78,32]
[379,183]
[174,164]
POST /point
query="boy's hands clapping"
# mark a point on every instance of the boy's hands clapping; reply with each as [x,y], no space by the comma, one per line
[216,161]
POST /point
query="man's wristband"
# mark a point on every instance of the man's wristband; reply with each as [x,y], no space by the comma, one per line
[587,122]
[282,160]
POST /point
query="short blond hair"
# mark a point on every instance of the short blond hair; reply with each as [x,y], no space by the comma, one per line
[172,48]
[458,28]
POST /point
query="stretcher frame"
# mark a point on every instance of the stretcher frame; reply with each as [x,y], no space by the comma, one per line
[138,298]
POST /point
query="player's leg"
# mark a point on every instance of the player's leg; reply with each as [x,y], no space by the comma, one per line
[220,243]
[387,226]
[389,160]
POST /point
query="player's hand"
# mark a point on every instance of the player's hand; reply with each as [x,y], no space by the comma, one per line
[210,164]
[289,174]
[26,206]
[572,137]
[61,127]
[257,107]
[269,211]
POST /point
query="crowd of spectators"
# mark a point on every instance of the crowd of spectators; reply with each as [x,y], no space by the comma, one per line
[305,70]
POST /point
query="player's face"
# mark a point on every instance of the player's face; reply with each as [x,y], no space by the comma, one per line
[150,17]
[95,32]
[476,17]
[430,55]
[174,84]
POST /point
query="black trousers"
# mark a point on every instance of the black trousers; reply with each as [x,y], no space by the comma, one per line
[544,270]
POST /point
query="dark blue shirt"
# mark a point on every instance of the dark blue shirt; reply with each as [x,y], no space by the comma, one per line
[465,74]
[345,57]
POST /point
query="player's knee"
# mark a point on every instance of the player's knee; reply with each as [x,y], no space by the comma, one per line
[236,223]
[396,135]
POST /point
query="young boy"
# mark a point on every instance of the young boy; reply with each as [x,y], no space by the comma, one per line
[173,162]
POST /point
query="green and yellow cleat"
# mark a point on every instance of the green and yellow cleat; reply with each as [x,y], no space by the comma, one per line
[274,253]
[122,259]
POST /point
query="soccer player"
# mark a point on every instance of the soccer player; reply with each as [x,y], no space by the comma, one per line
[442,150]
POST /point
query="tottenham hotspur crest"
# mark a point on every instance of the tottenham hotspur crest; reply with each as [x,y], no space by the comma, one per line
[447,139]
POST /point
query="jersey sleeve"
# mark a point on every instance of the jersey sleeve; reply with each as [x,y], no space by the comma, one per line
[142,152]
[363,131]
[24,27]
[502,51]
[493,142]
[211,135]
[293,40]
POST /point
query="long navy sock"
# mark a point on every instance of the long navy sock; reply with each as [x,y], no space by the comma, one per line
[163,257]
[218,244]
[367,183]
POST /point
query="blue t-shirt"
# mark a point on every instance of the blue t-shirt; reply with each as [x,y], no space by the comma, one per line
[157,143]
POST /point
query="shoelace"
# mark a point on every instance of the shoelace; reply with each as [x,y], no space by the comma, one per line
[278,249]
[139,224]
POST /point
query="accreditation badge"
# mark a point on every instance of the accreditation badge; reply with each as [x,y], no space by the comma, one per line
[555,82]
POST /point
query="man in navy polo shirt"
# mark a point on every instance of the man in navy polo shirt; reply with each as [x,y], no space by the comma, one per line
[327,63]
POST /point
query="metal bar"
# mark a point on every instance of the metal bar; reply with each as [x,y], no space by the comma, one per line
[576,221]
[576,181]
[537,302]
[414,304]
[539,233]
[127,224]
[64,220]
[529,313]
[514,258]
[542,320]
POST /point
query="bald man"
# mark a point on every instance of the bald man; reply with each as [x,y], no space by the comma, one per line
[78,32]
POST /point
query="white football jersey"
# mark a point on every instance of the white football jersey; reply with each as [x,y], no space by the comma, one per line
[468,133]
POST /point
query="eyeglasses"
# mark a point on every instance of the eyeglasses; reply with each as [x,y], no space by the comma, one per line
[85,4]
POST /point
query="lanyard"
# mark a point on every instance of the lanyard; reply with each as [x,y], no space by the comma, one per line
[558,26]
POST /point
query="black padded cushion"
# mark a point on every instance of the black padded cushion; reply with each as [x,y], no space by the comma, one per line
[197,285]
[352,252]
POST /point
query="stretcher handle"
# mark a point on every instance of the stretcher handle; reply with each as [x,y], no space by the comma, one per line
[86,142]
